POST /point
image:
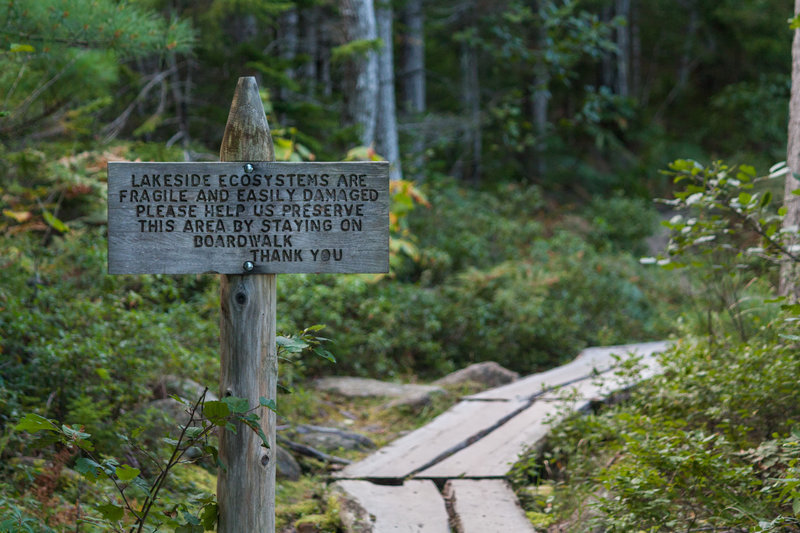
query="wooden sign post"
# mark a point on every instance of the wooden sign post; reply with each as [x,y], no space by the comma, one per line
[248,218]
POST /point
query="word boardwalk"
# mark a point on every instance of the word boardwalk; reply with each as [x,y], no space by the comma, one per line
[258,217]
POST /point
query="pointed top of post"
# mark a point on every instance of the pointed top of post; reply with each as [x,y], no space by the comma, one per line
[247,136]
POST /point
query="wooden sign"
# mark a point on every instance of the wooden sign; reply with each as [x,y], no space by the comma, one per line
[248,218]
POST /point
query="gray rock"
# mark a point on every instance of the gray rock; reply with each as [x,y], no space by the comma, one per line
[488,374]
[287,468]
[332,439]
[363,387]
[404,394]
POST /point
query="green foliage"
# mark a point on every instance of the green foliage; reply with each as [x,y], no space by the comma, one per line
[126,29]
[354,49]
[55,46]
[139,505]
[486,281]
[712,442]
[621,222]
[730,232]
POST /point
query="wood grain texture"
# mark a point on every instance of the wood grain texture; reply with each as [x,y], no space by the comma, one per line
[191,218]
[451,431]
[481,506]
[589,361]
[493,455]
[414,507]
[248,356]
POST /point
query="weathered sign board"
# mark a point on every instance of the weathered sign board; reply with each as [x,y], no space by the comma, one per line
[253,218]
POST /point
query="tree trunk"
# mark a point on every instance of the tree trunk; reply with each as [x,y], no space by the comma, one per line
[386,135]
[309,46]
[623,9]
[359,22]
[287,37]
[790,271]
[540,101]
[413,79]
[636,52]
[470,91]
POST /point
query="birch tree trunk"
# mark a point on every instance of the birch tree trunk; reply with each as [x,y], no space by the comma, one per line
[789,284]
[413,78]
[386,135]
[359,20]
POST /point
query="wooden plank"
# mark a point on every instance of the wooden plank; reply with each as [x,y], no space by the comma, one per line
[187,218]
[248,355]
[414,507]
[590,361]
[451,431]
[601,386]
[493,455]
[480,506]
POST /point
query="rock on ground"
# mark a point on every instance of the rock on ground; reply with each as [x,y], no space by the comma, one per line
[287,467]
[488,374]
[331,439]
[403,394]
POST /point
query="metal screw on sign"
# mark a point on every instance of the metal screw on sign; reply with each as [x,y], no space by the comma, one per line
[248,168]
[248,266]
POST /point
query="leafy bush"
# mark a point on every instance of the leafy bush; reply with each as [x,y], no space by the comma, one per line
[527,314]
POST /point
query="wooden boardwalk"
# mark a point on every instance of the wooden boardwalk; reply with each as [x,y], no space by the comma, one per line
[468,450]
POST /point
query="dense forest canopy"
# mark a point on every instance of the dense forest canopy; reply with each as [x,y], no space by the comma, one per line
[577,95]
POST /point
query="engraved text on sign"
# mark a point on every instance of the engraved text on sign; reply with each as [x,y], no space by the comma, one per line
[275,218]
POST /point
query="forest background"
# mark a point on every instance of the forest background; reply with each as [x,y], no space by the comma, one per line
[527,140]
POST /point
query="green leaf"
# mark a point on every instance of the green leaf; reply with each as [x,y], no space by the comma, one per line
[127,473]
[32,423]
[189,528]
[21,48]
[216,411]
[260,432]
[53,222]
[87,468]
[209,516]
[766,199]
[796,192]
[744,198]
[325,354]
[796,506]
[237,405]
[74,433]
[269,403]
[290,344]
[794,22]
[111,512]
